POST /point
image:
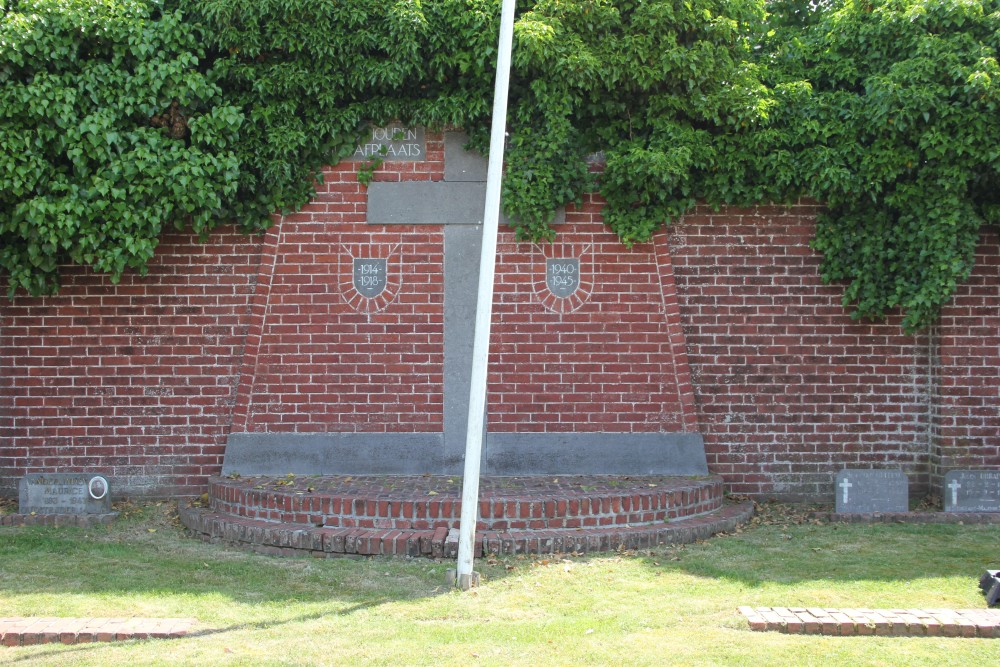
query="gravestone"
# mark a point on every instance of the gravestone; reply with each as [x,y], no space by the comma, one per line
[64,493]
[990,584]
[972,491]
[865,491]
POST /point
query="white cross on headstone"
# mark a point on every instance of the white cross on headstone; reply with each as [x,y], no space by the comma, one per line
[845,485]
[954,486]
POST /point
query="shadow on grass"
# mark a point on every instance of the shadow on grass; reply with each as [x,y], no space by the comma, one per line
[791,553]
[208,632]
[127,558]
[146,552]
[131,557]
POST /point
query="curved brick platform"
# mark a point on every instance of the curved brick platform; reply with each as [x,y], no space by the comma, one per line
[419,515]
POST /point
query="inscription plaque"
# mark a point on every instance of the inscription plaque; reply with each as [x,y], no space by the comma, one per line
[562,276]
[972,491]
[64,493]
[864,491]
[394,142]
[370,276]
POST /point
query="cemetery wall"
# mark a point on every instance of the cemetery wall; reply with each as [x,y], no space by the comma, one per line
[321,356]
[136,380]
[720,326]
[966,362]
[789,388]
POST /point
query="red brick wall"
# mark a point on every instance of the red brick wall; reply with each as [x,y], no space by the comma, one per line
[322,358]
[608,358]
[721,326]
[135,380]
[966,430]
[789,388]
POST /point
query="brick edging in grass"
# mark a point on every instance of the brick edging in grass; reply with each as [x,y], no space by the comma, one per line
[982,623]
[77,520]
[28,631]
[910,517]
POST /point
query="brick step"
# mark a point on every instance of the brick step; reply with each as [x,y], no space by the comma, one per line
[28,631]
[427,502]
[442,542]
[982,623]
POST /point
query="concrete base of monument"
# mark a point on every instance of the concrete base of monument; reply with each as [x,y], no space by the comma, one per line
[434,453]
[418,515]
[464,581]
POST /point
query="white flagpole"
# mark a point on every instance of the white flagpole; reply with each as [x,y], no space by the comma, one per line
[484,307]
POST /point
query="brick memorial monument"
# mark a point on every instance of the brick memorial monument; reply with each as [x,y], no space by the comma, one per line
[340,341]
[569,393]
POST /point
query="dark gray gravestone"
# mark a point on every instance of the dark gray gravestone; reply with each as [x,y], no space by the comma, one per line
[972,491]
[394,142]
[370,276]
[990,583]
[865,491]
[562,276]
[64,493]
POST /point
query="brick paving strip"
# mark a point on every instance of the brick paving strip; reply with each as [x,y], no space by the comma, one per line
[28,631]
[982,623]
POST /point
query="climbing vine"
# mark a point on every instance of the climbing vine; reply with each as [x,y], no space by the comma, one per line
[110,133]
[899,134]
[119,119]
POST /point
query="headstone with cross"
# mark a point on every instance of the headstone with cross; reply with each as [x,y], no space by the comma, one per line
[865,491]
[972,491]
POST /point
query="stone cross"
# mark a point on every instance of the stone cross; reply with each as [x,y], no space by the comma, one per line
[845,485]
[456,203]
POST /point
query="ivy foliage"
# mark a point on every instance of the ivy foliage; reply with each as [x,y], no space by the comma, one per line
[311,75]
[891,115]
[651,85]
[118,119]
[110,131]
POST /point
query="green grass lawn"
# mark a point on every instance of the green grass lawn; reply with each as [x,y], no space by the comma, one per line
[670,606]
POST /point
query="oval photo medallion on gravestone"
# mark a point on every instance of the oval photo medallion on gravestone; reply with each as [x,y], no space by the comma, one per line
[97,487]
[64,493]
[370,276]
[562,276]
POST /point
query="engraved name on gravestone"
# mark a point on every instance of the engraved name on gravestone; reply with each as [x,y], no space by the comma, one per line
[972,491]
[394,142]
[64,493]
[370,276]
[864,491]
[562,276]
